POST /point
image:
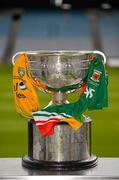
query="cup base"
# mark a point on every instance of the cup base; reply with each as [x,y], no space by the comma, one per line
[61,166]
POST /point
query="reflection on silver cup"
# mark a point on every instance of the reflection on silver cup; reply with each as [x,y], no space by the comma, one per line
[58,69]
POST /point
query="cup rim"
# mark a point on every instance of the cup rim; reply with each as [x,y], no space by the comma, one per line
[57,52]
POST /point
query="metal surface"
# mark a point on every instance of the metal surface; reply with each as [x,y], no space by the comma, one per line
[64,145]
[107,168]
[57,69]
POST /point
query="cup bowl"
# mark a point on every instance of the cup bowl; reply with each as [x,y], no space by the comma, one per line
[57,69]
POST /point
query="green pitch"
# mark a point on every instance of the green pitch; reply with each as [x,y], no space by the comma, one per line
[13,127]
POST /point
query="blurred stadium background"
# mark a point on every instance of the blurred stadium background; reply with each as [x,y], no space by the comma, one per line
[59,25]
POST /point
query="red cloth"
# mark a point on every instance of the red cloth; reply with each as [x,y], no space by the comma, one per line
[46,128]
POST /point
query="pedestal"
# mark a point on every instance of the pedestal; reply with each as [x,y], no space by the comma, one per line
[64,150]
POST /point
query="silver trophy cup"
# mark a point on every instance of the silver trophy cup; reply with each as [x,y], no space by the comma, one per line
[65,149]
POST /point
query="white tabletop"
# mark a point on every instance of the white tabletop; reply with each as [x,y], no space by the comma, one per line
[107,168]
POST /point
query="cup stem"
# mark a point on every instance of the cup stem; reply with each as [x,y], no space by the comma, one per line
[59,98]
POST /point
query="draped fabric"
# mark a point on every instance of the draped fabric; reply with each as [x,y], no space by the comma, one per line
[94,96]
[46,121]
[26,99]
